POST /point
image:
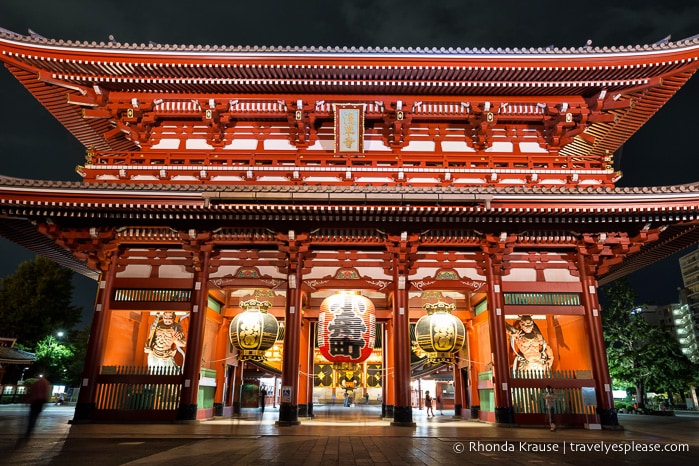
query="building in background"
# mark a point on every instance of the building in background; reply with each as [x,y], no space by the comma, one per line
[686,315]
[676,319]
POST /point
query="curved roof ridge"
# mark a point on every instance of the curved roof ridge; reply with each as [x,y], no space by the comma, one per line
[35,38]
[7,181]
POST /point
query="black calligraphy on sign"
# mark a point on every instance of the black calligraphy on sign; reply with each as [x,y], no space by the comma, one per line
[345,331]
[346,328]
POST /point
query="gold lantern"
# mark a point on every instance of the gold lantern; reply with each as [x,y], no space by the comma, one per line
[253,331]
[439,333]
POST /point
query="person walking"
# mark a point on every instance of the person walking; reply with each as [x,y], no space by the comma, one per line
[263,395]
[550,398]
[39,392]
[440,404]
[428,404]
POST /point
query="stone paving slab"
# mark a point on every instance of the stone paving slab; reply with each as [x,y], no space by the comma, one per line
[340,438]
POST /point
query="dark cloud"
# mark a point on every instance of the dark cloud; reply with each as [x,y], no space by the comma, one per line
[34,145]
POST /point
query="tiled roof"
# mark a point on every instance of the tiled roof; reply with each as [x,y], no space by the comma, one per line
[672,209]
[15,356]
[208,49]
[641,77]
[6,181]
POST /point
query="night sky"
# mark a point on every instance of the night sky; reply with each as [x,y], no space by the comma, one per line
[663,152]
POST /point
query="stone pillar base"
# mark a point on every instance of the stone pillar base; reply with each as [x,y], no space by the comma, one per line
[83,412]
[608,418]
[403,416]
[386,411]
[287,423]
[474,411]
[303,410]
[187,412]
[288,415]
[504,416]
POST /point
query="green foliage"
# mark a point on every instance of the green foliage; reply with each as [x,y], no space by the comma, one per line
[639,353]
[61,359]
[36,301]
[619,405]
[52,356]
[74,366]
[677,374]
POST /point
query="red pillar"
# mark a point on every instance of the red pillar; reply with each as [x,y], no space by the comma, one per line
[600,367]
[305,371]
[237,387]
[96,344]
[195,341]
[504,413]
[222,344]
[288,406]
[311,368]
[402,409]
[459,392]
[387,376]
[472,381]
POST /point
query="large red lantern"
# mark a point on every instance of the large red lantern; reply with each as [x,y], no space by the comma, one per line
[346,328]
[439,333]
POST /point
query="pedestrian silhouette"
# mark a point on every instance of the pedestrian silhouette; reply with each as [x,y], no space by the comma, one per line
[550,398]
[263,394]
[38,395]
[428,404]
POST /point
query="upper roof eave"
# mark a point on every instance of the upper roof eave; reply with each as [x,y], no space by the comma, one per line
[341,72]
[581,53]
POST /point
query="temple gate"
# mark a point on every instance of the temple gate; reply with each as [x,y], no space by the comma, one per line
[218,179]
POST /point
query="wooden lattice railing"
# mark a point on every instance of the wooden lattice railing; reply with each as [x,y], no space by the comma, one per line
[139,388]
[527,389]
[531,401]
[141,370]
[570,374]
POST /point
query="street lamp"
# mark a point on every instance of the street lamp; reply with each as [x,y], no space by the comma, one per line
[51,347]
[58,334]
[21,379]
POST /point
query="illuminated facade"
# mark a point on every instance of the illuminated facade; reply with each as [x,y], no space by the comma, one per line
[473,178]
[686,313]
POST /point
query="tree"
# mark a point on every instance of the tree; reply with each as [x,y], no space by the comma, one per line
[74,366]
[35,301]
[53,356]
[61,360]
[637,352]
[678,375]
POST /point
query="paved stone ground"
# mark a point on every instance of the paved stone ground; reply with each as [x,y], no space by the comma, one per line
[342,436]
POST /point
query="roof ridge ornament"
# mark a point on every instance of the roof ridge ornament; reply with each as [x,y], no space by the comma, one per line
[664,40]
[35,35]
